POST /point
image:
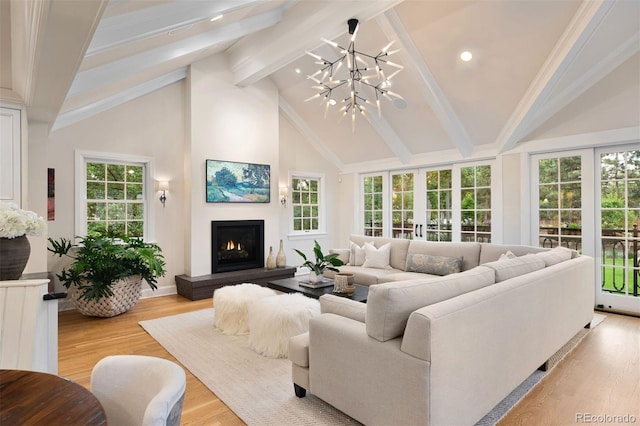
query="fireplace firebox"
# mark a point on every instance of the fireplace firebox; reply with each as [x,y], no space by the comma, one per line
[236,245]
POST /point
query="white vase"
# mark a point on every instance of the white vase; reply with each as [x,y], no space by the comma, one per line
[281,260]
[315,278]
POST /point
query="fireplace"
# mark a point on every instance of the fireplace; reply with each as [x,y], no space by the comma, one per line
[236,245]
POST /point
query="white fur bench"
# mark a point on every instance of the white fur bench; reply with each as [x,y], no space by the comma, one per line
[231,306]
[274,320]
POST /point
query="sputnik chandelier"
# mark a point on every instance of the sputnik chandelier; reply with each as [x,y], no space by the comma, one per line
[360,84]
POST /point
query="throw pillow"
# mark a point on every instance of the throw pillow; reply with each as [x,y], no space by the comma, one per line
[377,257]
[356,258]
[555,255]
[434,265]
[343,254]
[508,255]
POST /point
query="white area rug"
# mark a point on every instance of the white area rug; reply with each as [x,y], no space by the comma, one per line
[259,389]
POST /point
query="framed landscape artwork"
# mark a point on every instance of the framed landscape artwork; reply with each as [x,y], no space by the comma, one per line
[232,182]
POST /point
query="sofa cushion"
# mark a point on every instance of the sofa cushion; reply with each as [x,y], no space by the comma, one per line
[556,255]
[364,276]
[398,256]
[435,265]
[510,268]
[343,254]
[490,252]
[470,252]
[404,276]
[390,304]
[508,255]
[377,257]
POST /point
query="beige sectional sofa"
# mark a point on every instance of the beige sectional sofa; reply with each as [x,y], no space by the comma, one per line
[444,350]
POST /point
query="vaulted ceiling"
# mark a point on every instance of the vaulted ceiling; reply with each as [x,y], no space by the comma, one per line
[537,65]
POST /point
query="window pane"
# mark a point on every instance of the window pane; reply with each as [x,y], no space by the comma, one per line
[445,179]
[313,198]
[115,173]
[135,211]
[377,183]
[96,171]
[377,202]
[306,211]
[297,224]
[297,211]
[313,185]
[368,185]
[115,191]
[571,196]
[432,180]
[407,201]
[117,228]
[134,174]
[134,191]
[96,211]
[95,190]
[116,211]
[368,202]
[468,201]
[484,198]
[134,229]
[548,196]
[570,169]
[467,177]
[633,199]
[314,211]
[98,227]
[483,176]
[548,170]
[304,198]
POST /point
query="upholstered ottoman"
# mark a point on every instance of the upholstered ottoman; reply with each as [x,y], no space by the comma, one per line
[274,320]
[231,306]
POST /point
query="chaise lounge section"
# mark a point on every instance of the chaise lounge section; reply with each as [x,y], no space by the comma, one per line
[444,350]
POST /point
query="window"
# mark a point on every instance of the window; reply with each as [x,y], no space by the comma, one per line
[372,207]
[475,203]
[402,205]
[438,205]
[305,199]
[113,195]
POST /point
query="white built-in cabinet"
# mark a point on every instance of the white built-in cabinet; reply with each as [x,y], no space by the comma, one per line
[10,155]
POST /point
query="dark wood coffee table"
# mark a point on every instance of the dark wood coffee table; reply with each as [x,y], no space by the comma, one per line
[292,285]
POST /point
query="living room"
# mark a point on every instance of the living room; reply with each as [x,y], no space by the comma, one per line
[201,113]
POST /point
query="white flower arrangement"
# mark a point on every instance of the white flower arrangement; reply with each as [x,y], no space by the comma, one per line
[15,222]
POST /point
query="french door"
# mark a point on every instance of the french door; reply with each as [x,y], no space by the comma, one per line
[618,248]
[589,200]
[450,203]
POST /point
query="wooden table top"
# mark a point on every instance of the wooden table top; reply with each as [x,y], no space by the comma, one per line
[292,285]
[35,398]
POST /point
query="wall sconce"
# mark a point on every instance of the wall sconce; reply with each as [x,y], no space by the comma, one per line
[284,191]
[163,185]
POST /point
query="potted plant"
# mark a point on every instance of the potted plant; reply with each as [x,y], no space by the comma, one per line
[15,225]
[106,274]
[322,262]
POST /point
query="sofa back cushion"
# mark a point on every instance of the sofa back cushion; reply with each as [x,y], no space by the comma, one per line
[390,304]
[556,255]
[470,252]
[510,268]
[398,255]
[492,252]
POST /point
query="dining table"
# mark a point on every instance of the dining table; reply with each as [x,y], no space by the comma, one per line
[37,398]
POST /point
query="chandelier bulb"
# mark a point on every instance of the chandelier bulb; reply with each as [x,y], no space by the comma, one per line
[384,49]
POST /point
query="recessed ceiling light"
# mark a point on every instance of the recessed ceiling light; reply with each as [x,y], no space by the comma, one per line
[466,56]
[298,71]
[215,18]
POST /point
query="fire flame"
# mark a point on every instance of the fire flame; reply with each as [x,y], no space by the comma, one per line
[231,245]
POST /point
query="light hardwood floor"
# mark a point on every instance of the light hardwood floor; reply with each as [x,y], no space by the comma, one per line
[600,377]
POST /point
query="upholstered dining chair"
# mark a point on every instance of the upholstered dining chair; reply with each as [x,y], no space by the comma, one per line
[139,390]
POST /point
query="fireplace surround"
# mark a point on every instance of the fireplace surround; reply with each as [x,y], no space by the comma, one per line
[236,245]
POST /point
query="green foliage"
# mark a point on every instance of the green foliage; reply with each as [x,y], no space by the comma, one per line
[101,260]
[322,262]
[256,175]
[226,178]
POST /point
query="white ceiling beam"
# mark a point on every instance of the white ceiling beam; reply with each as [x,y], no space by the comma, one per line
[428,85]
[260,55]
[49,40]
[390,137]
[584,23]
[587,80]
[119,30]
[71,117]
[306,131]
[91,79]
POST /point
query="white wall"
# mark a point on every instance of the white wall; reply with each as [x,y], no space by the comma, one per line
[228,123]
[298,155]
[151,126]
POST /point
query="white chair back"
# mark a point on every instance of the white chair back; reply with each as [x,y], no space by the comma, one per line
[139,390]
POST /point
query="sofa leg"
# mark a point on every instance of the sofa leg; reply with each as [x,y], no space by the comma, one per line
[544,367]
[299,390]
[588,325]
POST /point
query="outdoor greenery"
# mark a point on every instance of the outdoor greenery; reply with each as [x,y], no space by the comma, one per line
[101,260]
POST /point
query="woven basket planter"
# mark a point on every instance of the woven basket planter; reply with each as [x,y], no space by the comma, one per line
[126,293]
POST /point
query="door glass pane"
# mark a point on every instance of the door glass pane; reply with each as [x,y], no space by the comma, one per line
[560,201]
[475,203]
[438,208]
[372,209]
[402,205]
[619,220]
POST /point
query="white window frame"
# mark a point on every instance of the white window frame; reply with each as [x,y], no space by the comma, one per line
[84,157]
[321,231]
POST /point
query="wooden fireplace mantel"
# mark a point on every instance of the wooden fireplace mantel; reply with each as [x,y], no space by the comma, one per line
[202,287]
